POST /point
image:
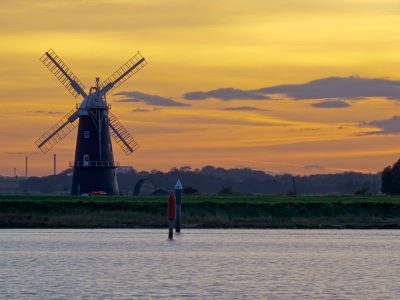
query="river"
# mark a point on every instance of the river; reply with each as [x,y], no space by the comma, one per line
[199,264]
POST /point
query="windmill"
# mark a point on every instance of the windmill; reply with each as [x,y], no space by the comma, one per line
[94,165]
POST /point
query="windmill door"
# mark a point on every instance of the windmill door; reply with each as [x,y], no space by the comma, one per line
[86,160]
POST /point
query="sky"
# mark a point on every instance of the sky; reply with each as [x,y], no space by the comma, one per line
[291,86]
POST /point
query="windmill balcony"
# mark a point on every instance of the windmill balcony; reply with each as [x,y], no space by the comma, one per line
[94,164]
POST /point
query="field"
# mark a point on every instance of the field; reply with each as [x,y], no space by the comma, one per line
[208,198]
[202,211]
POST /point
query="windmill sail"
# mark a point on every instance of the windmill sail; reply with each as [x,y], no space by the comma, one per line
[60,70]
[131,67]
[121,135]
[58,131]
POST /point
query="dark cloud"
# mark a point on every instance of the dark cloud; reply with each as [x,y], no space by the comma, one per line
[226,94]
[352,87]
[49,112]
[309,129]
[313,167]
[148,99]
[141,110]
[387,126]
[338,87]
[244,108]
[331,104]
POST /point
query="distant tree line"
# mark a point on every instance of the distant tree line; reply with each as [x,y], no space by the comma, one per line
[212,179]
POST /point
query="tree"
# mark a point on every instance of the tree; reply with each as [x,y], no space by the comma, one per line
[226,190]
[185,169]
[391,179]
[190,191]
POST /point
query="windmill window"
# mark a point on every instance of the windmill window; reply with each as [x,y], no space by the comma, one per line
[86,134]
[86,160]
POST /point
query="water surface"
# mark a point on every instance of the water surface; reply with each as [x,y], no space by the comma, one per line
[199,264]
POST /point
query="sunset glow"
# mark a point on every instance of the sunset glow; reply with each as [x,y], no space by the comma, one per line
[202,46]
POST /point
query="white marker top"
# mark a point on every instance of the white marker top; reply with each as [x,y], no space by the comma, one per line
[178,185]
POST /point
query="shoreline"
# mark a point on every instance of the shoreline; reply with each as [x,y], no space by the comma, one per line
[252,212]
[389,227]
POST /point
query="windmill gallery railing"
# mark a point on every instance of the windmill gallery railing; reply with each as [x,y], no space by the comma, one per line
[94,164]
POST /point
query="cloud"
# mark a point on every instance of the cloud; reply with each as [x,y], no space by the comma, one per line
[141,110]
[313,167]
[331,104]
[49,112]
[387,126]
[148,99]
[244,108]
[14,153]
[338,87]
[227,121]
[226,94]
[352,87]
[19,153]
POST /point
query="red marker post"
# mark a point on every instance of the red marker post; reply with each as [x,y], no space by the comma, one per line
[171,215]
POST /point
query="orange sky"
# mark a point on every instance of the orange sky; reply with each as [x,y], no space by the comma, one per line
[203,46]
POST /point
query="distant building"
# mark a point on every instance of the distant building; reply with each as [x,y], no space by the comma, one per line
[10,185]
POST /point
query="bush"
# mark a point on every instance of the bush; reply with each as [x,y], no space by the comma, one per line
[190,191]
[226,191]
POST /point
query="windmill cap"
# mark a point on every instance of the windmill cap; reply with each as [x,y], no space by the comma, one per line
[178,185]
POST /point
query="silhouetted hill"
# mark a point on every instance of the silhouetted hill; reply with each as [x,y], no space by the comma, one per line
[212,179]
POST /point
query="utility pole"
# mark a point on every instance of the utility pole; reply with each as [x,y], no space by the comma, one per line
[294,187]
[26,166]
[55,164]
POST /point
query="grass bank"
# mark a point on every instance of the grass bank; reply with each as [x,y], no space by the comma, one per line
[201,211]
